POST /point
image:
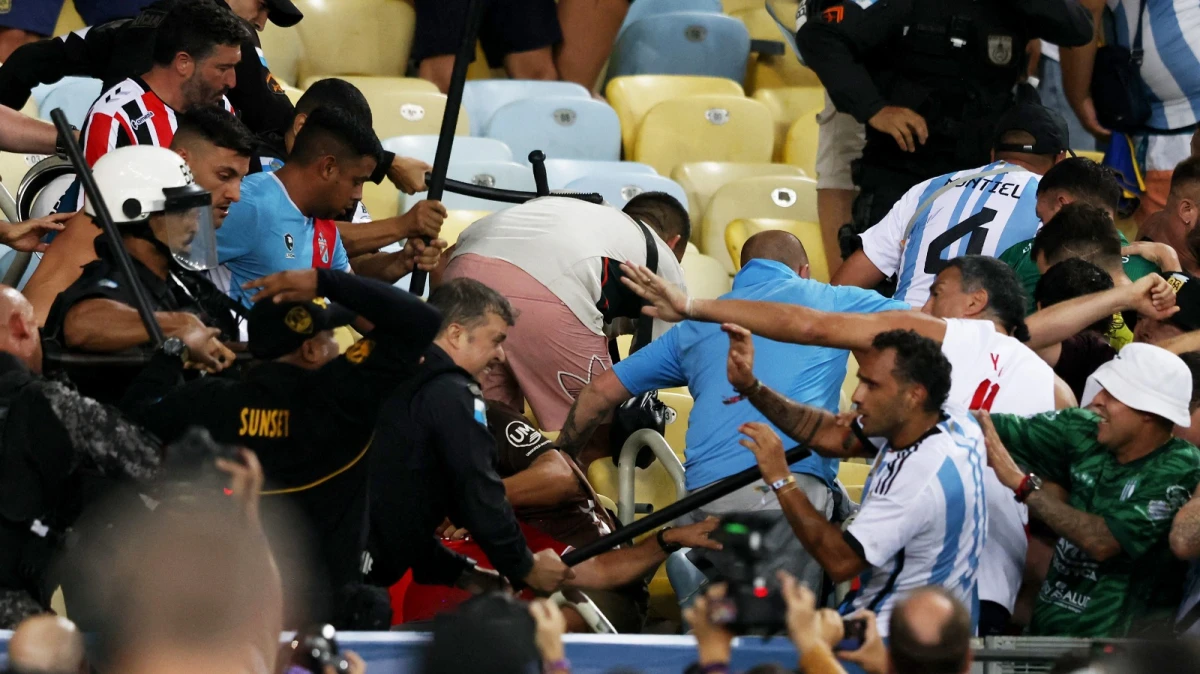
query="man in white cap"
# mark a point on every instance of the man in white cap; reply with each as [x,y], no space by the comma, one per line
[1113,573]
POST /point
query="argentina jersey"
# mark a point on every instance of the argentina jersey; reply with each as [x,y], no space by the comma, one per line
[981,211]
[923,519]
[1171,60]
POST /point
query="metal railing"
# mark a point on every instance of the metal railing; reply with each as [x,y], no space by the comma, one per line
[627,463]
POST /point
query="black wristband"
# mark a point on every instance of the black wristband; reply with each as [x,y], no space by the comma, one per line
[668,548]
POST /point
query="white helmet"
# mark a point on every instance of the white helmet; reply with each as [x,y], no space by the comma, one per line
[142,180]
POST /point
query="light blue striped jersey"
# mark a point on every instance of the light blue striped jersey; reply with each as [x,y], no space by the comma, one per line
[984,215]
[1171,62]
[923,519]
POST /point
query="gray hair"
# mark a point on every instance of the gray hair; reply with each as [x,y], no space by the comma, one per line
[468,302]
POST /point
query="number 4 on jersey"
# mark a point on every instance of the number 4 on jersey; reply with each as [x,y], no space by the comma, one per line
[973,226]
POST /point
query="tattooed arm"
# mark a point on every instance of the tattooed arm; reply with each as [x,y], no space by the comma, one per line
[593,406]
[1185,530]
[1089,533]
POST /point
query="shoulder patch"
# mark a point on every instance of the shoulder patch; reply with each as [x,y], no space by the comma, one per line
[481,411]
[360,351]
[474,389]
[107,283]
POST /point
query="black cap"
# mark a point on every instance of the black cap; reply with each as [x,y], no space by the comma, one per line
[1187,298]
[283,13]
[279,329]
[1048,128]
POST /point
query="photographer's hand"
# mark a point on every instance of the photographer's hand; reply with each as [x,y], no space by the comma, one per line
[713,642]
[810,629]
[245,483]
[357,664]
[550,627]
[873,655]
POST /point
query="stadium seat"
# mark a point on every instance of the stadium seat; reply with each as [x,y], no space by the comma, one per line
[853,477]
[560,126]
[408,112]
[465,148]
[701,179]
[561,172]
[1094,155]
[676,431]
[682,43]
[845,399]
[502,174]
[13,167]
[772,72]
[378,90]
[619,189]
[293,93]
[655,7]
[632,97]
[68,21]
[778,197]
[706,277]
[354,37]
[800,146]
[282,49]
[787,105]
[457,221]
[699,128]
[74,95]
[482,98]
[809,233]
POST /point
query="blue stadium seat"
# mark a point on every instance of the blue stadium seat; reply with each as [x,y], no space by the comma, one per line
[683,43]
[502,174]
[644,8]
[74,95]
[563,127]
[560,172]
[482,98]
[619,189]
[466,148]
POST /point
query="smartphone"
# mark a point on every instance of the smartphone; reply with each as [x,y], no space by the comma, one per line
[854,632]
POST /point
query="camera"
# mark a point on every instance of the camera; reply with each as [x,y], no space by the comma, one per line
[754,603]
[313,651]
[189,467]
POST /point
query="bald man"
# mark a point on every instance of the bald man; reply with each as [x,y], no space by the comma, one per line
[47,644]
[49,434]
[930,633]
[775,269]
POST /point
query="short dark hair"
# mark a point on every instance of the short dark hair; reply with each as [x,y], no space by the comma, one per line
[1006,296]
[336,93]
[1085,180]
[1071,278]
[468,302]
[196,28]
[1078,230]
[217,126]
[334,131]
[1192,360]
[919,360]
[951,653]
[663,213]
[1186,174]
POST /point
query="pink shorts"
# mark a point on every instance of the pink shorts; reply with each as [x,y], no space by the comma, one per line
[550,355]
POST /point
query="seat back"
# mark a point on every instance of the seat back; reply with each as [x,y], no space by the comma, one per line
[377,87]
[482,98]
[617,190]
[853,477]
[777,197]
[719,128]
[800,147]
[562,172]
[809,233]
[560,126]
[282,48]
[632,97]
[788,104]
[465,148]
[638,11]
[403,112]
[771,72]
[355,37]
[676,431]
[502,174]
[701,179]
[74,95]
[683,43]
[68,20]
[706,277]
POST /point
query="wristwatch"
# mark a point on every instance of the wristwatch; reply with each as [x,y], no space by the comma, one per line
[174,347]
[1029,484]
[662,542]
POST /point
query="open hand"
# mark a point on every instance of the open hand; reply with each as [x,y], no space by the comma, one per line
[768,450]
[298,285]
[550,625]
[906,126]
[667,302]
[739,367]
[1007,470]
[808,627]
[1086,111]
[245,483]
[695,535]
[713,641]
[27,236]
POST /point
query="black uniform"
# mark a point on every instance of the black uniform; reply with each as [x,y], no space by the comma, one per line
[120,49]
[310,428]
[182,290]
[54,444]
[435,458]
[955,63]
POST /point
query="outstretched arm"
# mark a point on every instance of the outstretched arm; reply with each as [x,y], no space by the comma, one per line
[595,402]
[1185,530]
[1150,296]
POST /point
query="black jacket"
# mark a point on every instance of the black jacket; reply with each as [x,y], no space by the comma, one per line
[120,49]
[435,458]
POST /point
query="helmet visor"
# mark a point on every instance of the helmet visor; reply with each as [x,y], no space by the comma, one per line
[188,223]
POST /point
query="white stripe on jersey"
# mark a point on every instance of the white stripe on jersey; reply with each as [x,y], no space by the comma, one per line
[984,216]
[923,519]
[1171,60]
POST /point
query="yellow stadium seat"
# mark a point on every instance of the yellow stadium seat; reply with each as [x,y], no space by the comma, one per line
[1095,156]
[698,128]
[809,233]
[650,485]
[407,112]
[787,105]
[706,277]
[777,197]
[676,431]
[13,167]
[282,48]
[355,37]
[632,97]
[68,20]
[850,383]
[458,221]
[375,87]
[293,93]
[701,179]
[771,72]
[853,477]
[382,200]
[800,146]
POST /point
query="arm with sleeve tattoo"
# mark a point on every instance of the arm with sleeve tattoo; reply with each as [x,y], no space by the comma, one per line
[1185,530]
[810,426]
[589,411]
[1089,533]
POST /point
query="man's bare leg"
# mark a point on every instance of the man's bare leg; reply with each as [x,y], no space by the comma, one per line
[589,30]
[834,208]
[437,69]
[537,64]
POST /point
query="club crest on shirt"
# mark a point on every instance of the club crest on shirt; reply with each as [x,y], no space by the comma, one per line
[291,245]
[323,248]
[1000,49]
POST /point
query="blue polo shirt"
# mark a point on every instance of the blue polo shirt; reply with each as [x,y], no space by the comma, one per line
[694,354]
[265,232]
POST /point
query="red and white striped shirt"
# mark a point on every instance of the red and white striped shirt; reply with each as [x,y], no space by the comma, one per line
[129,114]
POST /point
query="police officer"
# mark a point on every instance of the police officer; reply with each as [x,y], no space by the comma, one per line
[307,412]
[165,220]
[435,458]
[929,79]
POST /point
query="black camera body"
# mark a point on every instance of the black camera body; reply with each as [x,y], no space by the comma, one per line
[754,603]
[314,651]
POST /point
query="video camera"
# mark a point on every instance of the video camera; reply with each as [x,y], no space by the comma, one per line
[190,466]
[313,651]
[753,601]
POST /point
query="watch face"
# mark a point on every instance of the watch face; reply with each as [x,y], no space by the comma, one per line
[1035,481]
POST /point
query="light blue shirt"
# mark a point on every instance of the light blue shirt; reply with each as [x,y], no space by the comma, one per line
[265,232]
[694,354]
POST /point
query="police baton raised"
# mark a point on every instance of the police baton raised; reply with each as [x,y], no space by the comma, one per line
[687,504]
[104,219]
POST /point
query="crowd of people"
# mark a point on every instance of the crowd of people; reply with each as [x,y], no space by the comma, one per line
[213,353]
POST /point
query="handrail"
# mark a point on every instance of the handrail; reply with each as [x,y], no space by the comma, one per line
[587,609]
[627,462]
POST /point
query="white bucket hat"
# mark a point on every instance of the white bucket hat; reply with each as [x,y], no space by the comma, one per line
[1148,379]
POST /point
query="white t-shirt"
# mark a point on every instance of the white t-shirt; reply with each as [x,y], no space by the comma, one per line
[560,242]
[985,215]
[993,371]
[923,518]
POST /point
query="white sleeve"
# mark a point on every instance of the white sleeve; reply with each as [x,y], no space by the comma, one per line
[881,243]
[899,507]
